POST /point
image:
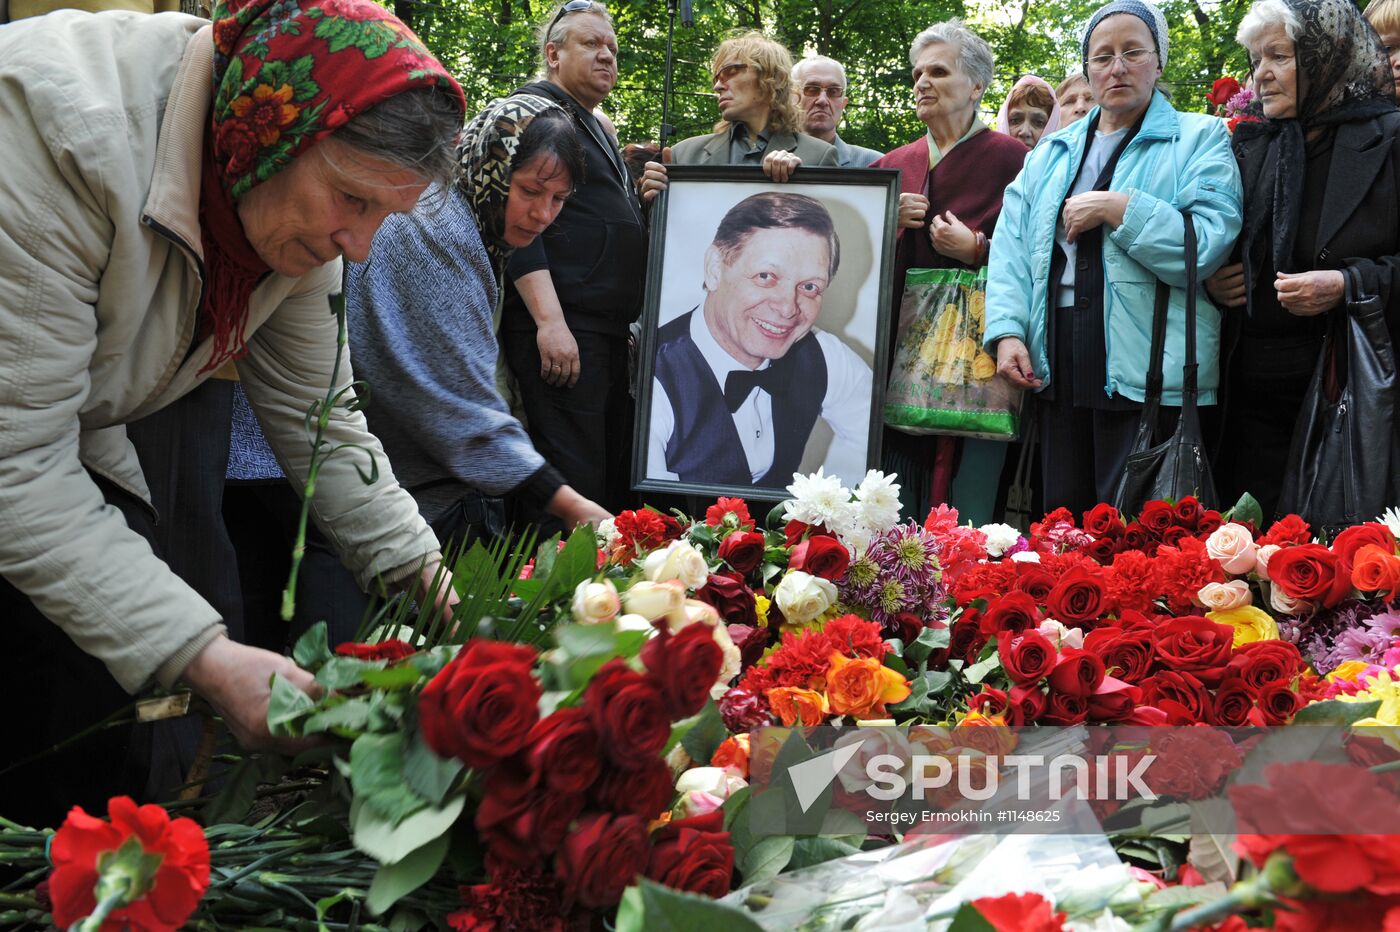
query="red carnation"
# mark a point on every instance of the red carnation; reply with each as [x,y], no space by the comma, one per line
[481,706]
[643,530]
[684,667]
[178,878]
[514,899]
[391,650]
[601,858]
[854,636]
[1020,912]
[629,713]
[742,550]
[729,512]
[1289,529]
[821,556]
[693,855]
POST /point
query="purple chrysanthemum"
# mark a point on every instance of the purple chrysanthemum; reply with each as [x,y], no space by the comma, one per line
[898,572]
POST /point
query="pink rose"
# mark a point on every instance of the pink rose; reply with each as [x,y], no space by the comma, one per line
[1262,558]
[1232,546]
[1222,597]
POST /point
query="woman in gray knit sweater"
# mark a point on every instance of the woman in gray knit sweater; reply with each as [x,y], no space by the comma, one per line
[421,317]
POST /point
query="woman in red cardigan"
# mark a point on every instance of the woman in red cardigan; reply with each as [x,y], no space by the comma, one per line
[951,183]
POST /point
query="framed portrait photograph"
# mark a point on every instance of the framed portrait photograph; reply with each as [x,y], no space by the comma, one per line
[766,329]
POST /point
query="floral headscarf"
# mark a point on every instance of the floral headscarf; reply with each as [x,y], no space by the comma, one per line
[287,73]
[487,149]
[1004,115]
[1345,75]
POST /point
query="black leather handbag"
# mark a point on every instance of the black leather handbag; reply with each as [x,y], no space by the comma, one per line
[1178,467]
[1343,463]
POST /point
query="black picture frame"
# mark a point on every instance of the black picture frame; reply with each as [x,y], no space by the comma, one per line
[710,191]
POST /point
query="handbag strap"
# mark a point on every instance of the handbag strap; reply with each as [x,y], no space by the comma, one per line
[1152,402]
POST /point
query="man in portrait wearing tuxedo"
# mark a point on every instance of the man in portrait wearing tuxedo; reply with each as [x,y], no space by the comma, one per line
[741,379]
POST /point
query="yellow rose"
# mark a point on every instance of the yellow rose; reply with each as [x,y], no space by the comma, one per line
[983,367]
[1250,623]
[1349,670]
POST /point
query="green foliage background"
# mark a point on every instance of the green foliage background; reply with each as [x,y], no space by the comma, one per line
[489,46]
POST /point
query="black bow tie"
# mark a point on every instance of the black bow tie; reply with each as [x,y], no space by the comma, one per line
[739,383]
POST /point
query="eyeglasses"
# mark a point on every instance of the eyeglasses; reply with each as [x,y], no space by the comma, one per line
[573,6]
[832,91]
[1130,58]
[730,72]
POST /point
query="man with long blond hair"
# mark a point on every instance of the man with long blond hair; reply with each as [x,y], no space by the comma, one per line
[760,122]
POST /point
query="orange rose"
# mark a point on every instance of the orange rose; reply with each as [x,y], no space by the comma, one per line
[985,733]
[733,754]
[861,688]
[792,703]
[1373,569]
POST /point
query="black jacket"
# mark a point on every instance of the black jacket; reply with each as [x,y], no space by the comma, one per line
[596,250]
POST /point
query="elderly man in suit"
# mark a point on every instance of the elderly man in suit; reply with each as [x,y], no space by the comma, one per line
[760,122]
[821,90]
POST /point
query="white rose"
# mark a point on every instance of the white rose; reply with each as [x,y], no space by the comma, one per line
[704,789]
[654,600]
[1286,605]
[595,602]
[680,560]
[632,623]
[1062,637]
[733,662]
[1222,597]
[803,597]
[873,742]
[1262,558]
[693,611]
[1232,546]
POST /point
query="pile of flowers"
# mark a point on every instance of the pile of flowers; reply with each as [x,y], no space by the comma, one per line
[1234,103]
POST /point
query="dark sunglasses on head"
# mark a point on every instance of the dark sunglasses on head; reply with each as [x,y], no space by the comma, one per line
[573,6]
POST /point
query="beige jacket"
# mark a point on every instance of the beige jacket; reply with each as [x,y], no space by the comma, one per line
[100,277]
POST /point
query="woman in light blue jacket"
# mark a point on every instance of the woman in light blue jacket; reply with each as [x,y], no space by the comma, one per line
[1087,230]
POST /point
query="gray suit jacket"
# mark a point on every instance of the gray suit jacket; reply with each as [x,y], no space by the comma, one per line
[849,156]
[714,149]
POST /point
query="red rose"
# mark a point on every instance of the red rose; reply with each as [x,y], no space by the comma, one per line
[1354,538]
[1077,599]
[646,792]
[521,819]
[1103,520]
[1077,672]
[1187,513]
[1194,644]
[693,855]
[684,667]
[1113,700]
[1102,550]
[391,650]
[1180,695]
[1173,535]
[1065,709]
[629,713]
[794,530]
[742,550]
[1264,663]
[967,639]
[1156,517]
[1027,657]
[1290,529]
[1135,536]
[1013,612]
[907,627]
[179,876]
[1210,522]
[1034,581]
[1222,90]
[1020,912]
[1310,572]
[1278,703]
[601,858]
[729,512]
[1233,702]
[752,641]
[1126,655]
[562,750]
[731,598]
[481,706]
[1025,704]
[821,556]
[989,701]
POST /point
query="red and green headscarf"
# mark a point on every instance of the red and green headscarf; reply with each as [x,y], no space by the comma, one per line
[287,73]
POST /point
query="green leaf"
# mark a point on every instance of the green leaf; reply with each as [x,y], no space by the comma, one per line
[389,843]
[766,857]
[1246,511]
[968,919]
[1336,712]
[817,849]
[587,640]
[240,788]
[394,881]
[978,671]
[650,907]
[347,719]
[395,677]
[427,773]
[929,640]
[576,562]
[312,649]
[341,672]
[709,732]
[1176,898]
[377,776]
[286,706]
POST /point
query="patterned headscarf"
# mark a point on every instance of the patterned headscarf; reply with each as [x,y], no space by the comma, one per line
[1345,75]
[1151,17]
[287,73]
[1004,114]
[486,152]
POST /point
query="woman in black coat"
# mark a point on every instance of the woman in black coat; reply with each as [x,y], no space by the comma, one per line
[1321,178]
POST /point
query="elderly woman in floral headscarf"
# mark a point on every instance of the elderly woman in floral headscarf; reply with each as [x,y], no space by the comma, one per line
[1322,181]
[177,195]
[422,330]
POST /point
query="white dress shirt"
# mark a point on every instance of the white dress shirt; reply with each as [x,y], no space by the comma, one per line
[845,408]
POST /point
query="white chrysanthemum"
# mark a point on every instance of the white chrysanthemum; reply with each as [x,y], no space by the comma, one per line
[1000,538]
[1391,519]
[857,537]
[607,533]
[878,495]
[819,499]
[1025,556]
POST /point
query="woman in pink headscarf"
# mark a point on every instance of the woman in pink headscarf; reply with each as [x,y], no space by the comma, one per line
[1030,111]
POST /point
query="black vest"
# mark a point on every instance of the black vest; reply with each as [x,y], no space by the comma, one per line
[704,445]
